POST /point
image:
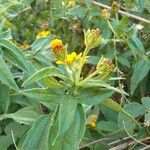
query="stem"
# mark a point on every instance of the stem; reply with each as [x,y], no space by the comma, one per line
[123,12]
[69,72]
[116,59]
[88,78]
[81,65]
[111,27]
[94,142]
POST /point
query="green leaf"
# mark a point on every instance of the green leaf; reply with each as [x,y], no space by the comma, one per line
[147,118]
[6,76]
[108,126]
[4,97]
[123,60]
[13,54]
[78,11]
[138,44]
[38,135]
[93,60]
[126,119]
[122,26]
[58,4]
[141,4]
[25,115]
[40,45]
[44,58]
[135,109]
[17,128]
[45,72]
[71,139]
[146,102]
[26,2]
[6,35]
[77,130]
[99,83]
[5,142]
[93,97]
[66,114]
[43,95]
[135,43]
[115,106]
[88,2]
[140,71]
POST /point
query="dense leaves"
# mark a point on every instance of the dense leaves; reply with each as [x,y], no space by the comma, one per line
[90,89]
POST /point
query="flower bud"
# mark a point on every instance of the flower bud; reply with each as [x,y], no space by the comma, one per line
[91,120]
[105,14]
[115,7]
[59,49]
[92,38]
[105,67]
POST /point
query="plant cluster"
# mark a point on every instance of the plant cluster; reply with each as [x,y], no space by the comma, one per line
[74,75]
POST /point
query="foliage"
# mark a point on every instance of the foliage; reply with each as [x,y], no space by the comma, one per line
[60,96]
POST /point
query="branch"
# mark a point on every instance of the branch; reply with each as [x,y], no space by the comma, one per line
[94,142]
[123,12]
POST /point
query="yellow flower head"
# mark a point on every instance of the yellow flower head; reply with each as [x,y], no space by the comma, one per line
[70,59]
[57,45]
[42,34]
[91,121]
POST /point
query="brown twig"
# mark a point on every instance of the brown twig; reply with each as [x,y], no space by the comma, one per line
[123,12]
[126,144]
[94,142]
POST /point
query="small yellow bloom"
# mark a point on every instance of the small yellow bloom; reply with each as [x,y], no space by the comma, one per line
[91,121]
[57,45]
[59,49]
[71,57]
[42,34]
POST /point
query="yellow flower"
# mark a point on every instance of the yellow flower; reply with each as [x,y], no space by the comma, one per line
[59,50]
[91,121]
[25,45]
[71,3]
[70,59]
[42,34]
[57,45]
